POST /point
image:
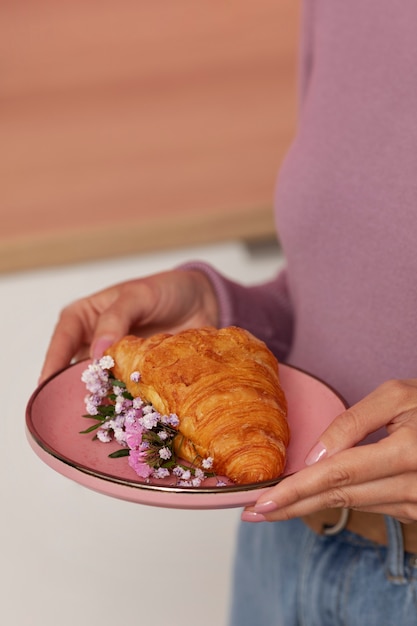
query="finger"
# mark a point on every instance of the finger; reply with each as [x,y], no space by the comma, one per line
[74,331]
[396,496]
[67,339]
[391,456]
[165,302]
[331,474]
[135,307]
[379,409]
[97,321]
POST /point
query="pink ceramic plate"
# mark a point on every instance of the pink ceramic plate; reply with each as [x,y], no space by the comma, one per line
[54,420]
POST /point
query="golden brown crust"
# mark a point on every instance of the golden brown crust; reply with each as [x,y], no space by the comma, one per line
[224,387]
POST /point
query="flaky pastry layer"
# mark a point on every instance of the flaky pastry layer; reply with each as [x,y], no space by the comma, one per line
[224,386]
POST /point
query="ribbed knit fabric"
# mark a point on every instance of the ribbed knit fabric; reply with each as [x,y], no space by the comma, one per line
[345,307]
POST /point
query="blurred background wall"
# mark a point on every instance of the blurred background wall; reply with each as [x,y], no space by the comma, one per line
[133,125]
[134,135]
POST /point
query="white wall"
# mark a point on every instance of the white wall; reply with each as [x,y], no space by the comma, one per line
[70,556]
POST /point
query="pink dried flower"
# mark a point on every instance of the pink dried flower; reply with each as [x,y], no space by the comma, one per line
[137,403]
[207,463]
[165,453]
[161,472]
[92,402]
[106,362]
[137,461]
[104,435]
[135,377]
[149,420]
[134,432]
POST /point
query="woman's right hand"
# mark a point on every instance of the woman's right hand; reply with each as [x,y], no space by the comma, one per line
[164,302]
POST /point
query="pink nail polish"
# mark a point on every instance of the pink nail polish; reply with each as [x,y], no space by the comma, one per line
[252,516]
[316,453]
[100,346]
[266,507]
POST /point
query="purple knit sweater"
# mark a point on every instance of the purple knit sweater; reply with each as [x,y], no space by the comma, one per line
[345,307]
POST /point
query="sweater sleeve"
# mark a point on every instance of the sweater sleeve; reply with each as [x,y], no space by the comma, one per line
[265,309]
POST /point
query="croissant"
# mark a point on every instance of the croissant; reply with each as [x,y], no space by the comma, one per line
[224,387]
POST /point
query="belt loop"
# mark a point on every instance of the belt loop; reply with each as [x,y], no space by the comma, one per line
[340,524]
[395,550]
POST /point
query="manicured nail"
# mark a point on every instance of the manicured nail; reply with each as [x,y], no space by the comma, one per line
[266,507]
[100,345]
[252,516]
[316,453]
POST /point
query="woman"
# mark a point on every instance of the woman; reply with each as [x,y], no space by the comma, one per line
[342,545]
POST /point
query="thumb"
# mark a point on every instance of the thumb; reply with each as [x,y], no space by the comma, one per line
[99,345]
[379,409]
[346,430]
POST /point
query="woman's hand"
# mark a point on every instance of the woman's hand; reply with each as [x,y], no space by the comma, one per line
[380,477]
[165,302]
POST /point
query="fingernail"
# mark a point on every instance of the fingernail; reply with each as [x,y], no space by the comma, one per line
[252,516]
[266,507]
[316,453]
[100,345]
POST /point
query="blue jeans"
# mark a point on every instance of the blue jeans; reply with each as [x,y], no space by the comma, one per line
[286,575]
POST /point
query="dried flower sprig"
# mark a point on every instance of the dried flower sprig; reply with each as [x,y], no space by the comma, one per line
[145,436]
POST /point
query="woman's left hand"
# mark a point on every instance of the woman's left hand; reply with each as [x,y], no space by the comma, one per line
[379,477]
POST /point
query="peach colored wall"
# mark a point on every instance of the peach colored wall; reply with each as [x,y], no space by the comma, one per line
[128,125]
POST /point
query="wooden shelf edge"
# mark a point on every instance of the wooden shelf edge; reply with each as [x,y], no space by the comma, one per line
[51,249]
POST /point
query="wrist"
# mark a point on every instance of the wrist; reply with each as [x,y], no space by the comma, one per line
[216,301]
